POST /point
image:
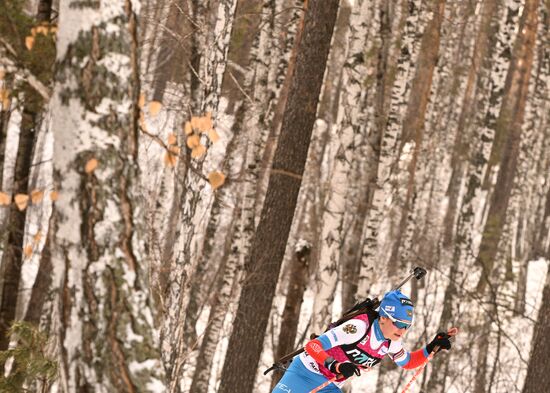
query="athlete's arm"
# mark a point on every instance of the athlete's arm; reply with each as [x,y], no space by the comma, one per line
[409,360]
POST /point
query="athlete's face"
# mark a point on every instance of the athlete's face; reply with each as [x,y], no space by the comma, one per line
[390,331]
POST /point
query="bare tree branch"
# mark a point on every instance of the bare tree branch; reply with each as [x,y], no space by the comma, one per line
[33,81]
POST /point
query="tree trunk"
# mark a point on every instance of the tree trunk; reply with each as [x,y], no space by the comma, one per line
[103,316]
[537,371]
[509,126]
[413,123]
[460,148]
[247,22]
[5,114]
[193,201]
[218,310]
[44,13]
[397,63]
[13,248]
[281,75]
[263,265]
[176,50]
[216,58]
[294,298]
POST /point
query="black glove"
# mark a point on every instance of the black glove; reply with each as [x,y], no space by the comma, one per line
[347,369]
[441,340]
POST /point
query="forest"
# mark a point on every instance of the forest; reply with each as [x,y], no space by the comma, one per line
[189,189]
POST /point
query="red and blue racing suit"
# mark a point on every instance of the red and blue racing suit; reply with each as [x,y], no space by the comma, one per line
[359,341]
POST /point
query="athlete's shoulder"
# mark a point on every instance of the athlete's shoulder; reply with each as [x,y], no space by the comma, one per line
[349,332]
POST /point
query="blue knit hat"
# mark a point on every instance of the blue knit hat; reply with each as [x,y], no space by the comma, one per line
[397,305]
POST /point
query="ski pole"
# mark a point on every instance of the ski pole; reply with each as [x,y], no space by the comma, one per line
[324,384]
[452,332]
[333,379]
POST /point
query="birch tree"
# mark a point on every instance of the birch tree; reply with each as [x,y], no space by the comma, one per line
[509,126]
[342,140]
[399,55]
[413,122]
[103,316]
[36,56]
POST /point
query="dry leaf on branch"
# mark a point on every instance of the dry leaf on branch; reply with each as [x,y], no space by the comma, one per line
[213,136]
[154,108]
[206,124]
[91,165]
[198,151]
[172,139]
[188,129]
[193,141]
[216,179]
[43,29]
[195,122]
[21,200]
[27,251]
[5,97]
[142,123]
[170,159]
[29,42]
[37,196]
[141,101]
[54,196]
[5,199]
[175,150]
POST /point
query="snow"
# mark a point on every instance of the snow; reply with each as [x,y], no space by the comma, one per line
[136,367]
[155,386]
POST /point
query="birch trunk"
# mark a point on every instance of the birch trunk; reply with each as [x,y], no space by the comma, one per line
[195,200]
[256,118]
[461,149]
[219,306]
[5,114]
[343,139]
[506,145]
[490,83]
[12,256]
[394,89]
[413,122]
[103,317]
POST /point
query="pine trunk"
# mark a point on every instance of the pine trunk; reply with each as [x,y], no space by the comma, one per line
[537,371]
[263,265]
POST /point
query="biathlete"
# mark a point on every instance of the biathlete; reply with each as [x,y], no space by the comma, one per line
[357,344]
